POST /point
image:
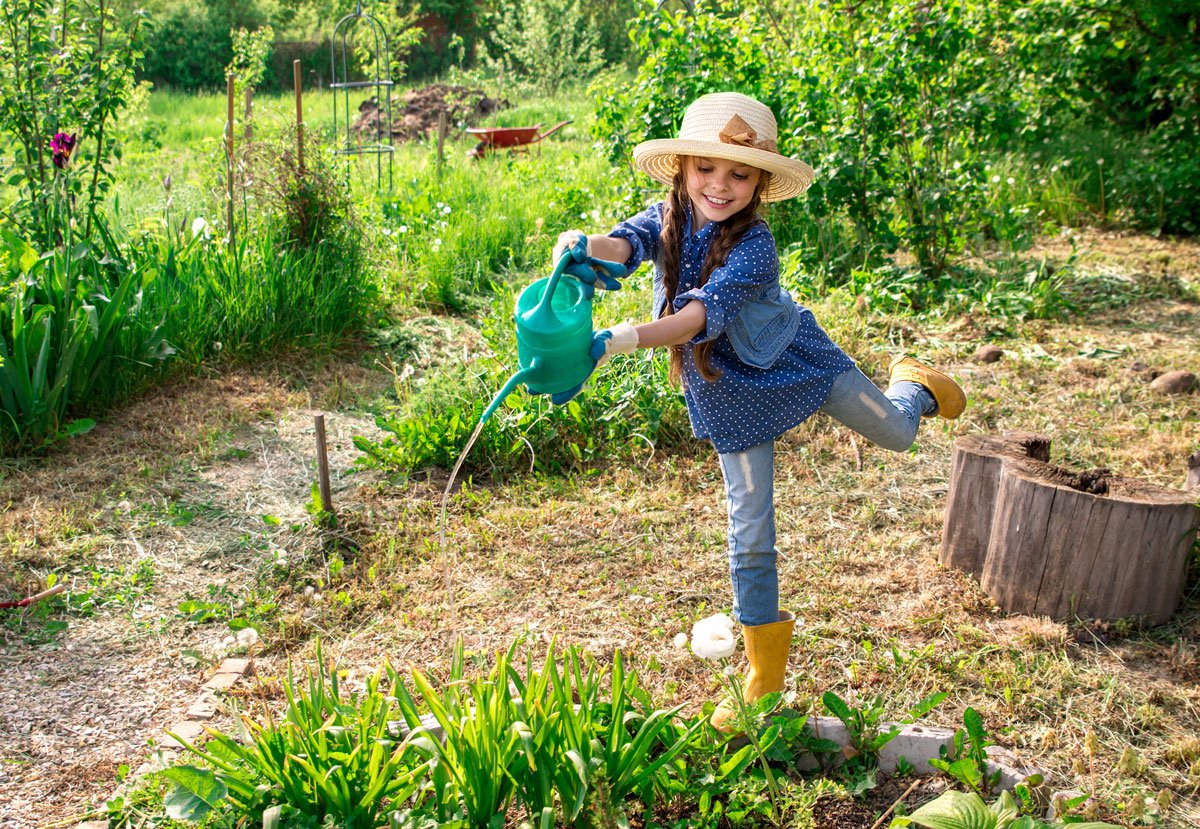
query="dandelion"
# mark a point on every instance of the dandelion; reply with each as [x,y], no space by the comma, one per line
[1011,181]
[446,210]
[61,146]
[247,637]
[681,640]
[403,229]
[995,179]
[712,638]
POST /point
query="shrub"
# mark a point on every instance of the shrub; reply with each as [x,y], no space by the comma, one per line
[70,70]
[546,43]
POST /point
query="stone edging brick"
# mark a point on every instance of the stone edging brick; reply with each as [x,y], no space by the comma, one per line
[191,728]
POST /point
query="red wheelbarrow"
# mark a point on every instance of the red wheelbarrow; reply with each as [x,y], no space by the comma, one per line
[498,138]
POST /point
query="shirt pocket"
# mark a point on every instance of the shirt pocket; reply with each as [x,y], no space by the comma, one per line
[763,329]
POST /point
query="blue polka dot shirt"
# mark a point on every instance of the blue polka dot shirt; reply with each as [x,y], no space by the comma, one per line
[745,406]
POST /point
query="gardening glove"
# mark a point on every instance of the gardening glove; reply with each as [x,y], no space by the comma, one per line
[584,267]
[620,339]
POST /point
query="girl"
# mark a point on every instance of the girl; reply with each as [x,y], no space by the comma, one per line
[752,362]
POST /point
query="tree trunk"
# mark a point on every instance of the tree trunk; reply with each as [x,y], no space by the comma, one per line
[1088,545]
[974,481]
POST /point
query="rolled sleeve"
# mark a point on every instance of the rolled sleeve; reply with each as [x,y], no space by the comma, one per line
[643,232]
[751,265]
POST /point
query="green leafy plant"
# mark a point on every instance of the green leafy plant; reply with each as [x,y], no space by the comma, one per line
[867,733]
[69,319]
[967,810]
[555,731]
[331,757]
[966,761]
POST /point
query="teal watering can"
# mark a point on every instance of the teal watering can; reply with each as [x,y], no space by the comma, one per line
[554,330]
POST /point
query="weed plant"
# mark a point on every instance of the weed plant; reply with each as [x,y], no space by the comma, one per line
[628,408]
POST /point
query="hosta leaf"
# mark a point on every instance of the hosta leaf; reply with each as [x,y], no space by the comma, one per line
[955,810]
[195,794]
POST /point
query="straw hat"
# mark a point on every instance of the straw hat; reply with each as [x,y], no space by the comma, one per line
[733,127]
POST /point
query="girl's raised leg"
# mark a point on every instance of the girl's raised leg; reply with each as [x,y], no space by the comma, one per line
[888,419]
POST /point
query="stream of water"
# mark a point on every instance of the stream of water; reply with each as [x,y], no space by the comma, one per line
[449,565]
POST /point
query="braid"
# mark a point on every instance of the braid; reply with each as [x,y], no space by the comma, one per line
[674,217]
[729,234]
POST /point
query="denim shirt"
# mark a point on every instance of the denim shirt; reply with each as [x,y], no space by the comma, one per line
[777,364]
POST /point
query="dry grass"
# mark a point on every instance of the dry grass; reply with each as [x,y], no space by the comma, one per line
[627,556]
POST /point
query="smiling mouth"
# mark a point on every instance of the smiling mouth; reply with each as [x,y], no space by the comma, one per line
[715,202]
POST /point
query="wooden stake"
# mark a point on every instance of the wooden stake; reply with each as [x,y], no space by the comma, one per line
[441,140]
[229,92]
[248,126]
[323,464]
[299,116]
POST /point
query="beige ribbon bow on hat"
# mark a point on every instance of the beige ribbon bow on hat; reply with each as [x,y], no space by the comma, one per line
[738,132]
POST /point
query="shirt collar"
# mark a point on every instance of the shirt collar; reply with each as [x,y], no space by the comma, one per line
[706,232]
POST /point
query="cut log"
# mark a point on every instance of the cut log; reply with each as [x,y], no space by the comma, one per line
[1119,549]
[974,481]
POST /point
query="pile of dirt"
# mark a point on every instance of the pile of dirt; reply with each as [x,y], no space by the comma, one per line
[415,113]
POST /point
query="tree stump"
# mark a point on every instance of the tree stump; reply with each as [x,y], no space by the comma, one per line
[1063,544]
[974,481]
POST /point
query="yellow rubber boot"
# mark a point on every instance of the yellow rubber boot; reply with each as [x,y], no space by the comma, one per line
[948,394]
[767,649]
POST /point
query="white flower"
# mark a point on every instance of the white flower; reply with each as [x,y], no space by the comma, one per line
[1011,181]
[712,638]
[247,637]
[446,210]
[200,225]
[681,640]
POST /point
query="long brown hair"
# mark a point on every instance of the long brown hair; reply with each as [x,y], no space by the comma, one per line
[729,233]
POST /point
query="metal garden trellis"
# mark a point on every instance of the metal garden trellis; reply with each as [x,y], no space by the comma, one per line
[379,80]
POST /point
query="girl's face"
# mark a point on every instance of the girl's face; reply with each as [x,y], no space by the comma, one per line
[719,188]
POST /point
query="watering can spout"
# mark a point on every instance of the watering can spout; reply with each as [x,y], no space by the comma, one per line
[507,389]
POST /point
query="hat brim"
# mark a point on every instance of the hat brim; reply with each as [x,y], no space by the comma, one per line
[660,160]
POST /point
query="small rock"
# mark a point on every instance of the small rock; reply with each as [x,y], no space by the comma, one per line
[1059,803]
[988,354]
[1174,382]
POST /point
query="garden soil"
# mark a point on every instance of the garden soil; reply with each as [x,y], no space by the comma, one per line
[188,506]
[416,113]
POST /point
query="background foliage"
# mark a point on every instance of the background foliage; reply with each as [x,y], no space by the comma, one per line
[907,108]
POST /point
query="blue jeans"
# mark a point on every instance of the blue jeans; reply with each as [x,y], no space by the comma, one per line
[888,419]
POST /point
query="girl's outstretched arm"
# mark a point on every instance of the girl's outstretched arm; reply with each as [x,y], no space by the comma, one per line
[609,248]
[676,329]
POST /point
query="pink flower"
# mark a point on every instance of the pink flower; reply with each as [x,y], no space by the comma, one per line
[61,146]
